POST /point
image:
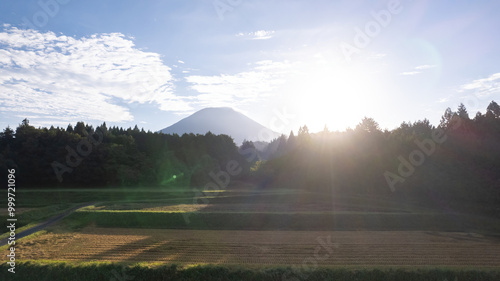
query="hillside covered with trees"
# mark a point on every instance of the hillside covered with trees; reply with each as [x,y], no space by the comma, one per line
[454,165]
[86,157]
[457,161]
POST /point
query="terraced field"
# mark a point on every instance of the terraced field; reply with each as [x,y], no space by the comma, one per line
[324,248]
[271,229]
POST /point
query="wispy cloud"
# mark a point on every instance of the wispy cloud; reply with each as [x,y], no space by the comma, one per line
[226,90]
[425,66]
[410,73]
[257,35]
[418,69]
[88,78]
[377,56]
[485,86]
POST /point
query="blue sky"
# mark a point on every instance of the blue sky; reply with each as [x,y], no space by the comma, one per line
[282,63]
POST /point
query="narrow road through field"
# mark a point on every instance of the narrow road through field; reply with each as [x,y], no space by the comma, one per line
[44,224]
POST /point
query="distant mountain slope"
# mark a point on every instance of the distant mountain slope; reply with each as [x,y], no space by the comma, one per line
[222,120]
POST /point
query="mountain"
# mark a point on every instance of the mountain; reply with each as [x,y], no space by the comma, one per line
[222,120]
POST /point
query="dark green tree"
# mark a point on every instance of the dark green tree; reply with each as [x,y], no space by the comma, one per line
[494,109]
[462,112]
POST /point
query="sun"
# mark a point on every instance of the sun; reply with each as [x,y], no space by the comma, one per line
[331,95]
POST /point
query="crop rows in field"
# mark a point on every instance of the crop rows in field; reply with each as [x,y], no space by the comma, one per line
[363,248]
[246,207]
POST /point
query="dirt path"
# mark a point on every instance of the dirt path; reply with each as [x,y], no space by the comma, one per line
[44,224]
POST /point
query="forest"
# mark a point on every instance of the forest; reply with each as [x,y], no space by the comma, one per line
[456,161]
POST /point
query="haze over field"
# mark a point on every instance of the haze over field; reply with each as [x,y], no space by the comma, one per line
[250,140]
[323,63]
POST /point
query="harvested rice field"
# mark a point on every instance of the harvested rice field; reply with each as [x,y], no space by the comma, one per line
[225,247]
[242,207]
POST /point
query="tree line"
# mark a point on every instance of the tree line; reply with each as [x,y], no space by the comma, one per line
[459,159]
[88,157]
[455,161]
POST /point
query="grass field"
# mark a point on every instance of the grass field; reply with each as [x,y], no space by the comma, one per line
[253,230]
[284,221]
[99,271]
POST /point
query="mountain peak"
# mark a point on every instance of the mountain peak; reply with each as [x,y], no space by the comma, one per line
[215,110]
[222,120]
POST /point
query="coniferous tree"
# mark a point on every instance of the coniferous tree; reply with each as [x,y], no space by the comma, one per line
[462,112]
[446,119]
[494,109]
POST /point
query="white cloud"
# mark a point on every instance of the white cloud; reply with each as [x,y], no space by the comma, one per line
[418,69]
[87,78]
[410,73]
[248,86]
[378,56]
[257,35]
[425,66]
[485,86]
[263,34]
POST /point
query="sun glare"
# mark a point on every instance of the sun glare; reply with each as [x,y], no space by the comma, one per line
[334,96]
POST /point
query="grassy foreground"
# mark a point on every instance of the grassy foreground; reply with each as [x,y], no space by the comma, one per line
[379,215]
[106,271]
